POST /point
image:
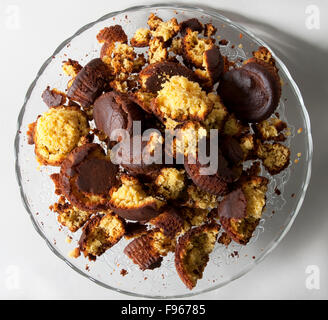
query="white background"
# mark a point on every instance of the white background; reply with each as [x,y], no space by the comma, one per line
[42,27]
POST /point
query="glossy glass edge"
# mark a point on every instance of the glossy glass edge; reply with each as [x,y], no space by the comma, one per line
[269,248]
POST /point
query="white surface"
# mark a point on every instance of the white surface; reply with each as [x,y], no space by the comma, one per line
[29,270]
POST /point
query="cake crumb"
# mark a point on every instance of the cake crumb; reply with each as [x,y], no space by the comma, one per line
[123,272]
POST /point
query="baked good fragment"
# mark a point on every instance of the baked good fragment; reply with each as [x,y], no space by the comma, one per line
[217,117]
[155,75]
[148,250]
[170,183]
[275,156]
[199,199]
[112,34]
[132,202]
[57,132]
[90,83]
[71,68]
[141,38]
[157,50]
[193,24]
[53,97]
[113,111]
[164,30]
[192,253]
[241,210]
[181,100]
[270,129]
[252,92]
[70,216]
[86,177]
[100,234]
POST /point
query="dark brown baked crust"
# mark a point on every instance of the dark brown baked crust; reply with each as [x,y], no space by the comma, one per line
[90,83]
[112,34]
[154,75]
[193,24]
[53,97]
[114,110]
[252,92]
[86,177]
[190,240]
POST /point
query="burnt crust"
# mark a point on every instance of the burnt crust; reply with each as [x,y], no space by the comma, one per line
[252,92]
[53,97]
[193,24]
[90,83]
[86,174]
[154,75]
[112,34]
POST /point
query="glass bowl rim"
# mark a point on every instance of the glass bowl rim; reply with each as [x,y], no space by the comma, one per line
[297,92]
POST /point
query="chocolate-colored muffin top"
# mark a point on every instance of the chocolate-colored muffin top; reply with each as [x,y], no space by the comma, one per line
[252,92]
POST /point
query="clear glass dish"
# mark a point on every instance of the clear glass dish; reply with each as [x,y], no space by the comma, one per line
[226,264]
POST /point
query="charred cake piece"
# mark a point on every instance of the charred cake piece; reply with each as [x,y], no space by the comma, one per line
[114,110]
[275,156]
[132,202]
[86,177]
[192,253]
[70,216]
[90,83]
[154,75]
[241,210]
[181,100]
[148,250]
[57,132]
[100,234]
[252,92]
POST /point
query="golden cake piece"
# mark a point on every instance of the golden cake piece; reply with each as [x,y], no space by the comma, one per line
[247,145]
[189,135]
[170,183]
[112,34]
[181,100]
[176,46]
[234,127]
[132,202]
[171,223]
[270,129]
[164,30]
[141,38]
[275,156]
[194,216]
[241,210]
[157,50]
[217,117]
[192,253]
[57,132]
[100,234]
[264,54]
[71,68]
[209,30]
[148,250]
[197,198]
[194,48]
[70,216]
[123,59]
[86,177]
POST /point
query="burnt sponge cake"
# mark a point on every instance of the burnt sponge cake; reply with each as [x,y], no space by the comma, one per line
[252,92]
[114,110]
[86,177]
[90,83]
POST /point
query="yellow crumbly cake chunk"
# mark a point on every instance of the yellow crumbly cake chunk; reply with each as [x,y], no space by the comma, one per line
[217,117]
[247,144]
[233,127]
[198,198]
[58,132]
[170,182]
[181,99]
[188,137]
[270,129]
[255,190]
[164,30]
[176,46]
[141,38]
[122,59]
[275,156]
[132,195]
[157,50]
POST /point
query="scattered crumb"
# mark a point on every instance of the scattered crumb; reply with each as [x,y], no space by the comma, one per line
[277,191]
[74,253]
[123,272]
[299,130]
[68,239]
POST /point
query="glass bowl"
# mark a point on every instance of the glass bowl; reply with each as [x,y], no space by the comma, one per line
[226,264]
